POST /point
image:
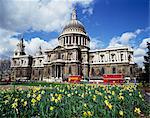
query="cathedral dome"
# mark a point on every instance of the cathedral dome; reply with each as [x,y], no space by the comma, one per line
[74,26]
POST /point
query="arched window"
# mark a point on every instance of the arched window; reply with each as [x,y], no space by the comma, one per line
[64,40]
[129,58]
[70,70]
[70,39]
[102,70]
[62,56]
[21,61]
[92,72]
[131,71]
[53,71]
[121,57]
[69,56]
[34,63]
[14,62]
[102,58]
[49,58]
[113,70]
[67,39]
[113,57]
[59,55]
[77,40]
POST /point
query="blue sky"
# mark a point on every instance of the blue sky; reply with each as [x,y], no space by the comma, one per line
[108,23]
[109,18]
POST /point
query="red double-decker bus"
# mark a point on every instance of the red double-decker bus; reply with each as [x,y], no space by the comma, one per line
[74,79]
[113,78]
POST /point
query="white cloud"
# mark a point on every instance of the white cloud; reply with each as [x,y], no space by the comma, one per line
[46,15]
[139,60]
[33,45]
[140,52]
[88,10]
[144,43]
[96,43]
[124,39]
[7,43]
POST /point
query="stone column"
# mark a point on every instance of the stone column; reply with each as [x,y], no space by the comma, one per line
[83,41]
[108,56]
[65,40]
[87,43]
[72,39]
[75,40]
[126,56]
[80,40]
[55,71]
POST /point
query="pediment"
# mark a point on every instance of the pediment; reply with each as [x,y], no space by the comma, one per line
[59,48]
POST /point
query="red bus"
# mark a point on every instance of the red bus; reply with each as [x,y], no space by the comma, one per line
[113,78]
[74,79]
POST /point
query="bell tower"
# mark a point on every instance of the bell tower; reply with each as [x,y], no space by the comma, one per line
[20,48]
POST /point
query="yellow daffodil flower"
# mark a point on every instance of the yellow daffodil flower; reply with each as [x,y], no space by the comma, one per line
[137,110]
[14,105]
[113,93]
[121,113]
[25,103]
[52,99]
[51,108]
[38,97]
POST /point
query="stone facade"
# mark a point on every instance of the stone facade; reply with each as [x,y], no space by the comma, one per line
[72,56]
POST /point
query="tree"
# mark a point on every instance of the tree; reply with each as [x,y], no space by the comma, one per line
[4,67]
[147,64]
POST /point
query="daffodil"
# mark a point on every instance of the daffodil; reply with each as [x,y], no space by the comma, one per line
[69,95]
[56,100]
[6,101]
[59,97]
[34,95]
[28,95]
[121,113]
[14,105]
[16,99]
[106,102]
[94,97]
[25,103]
[137,110]
[52,99]
[140,95]
[85,105]
[113,93]
[51,108]
[84,113]
[42,92]
[109,106]
[33,101]
[121,97]
[89,113]
[38,97]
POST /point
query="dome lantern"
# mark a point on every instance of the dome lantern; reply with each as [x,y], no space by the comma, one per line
[74,15]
